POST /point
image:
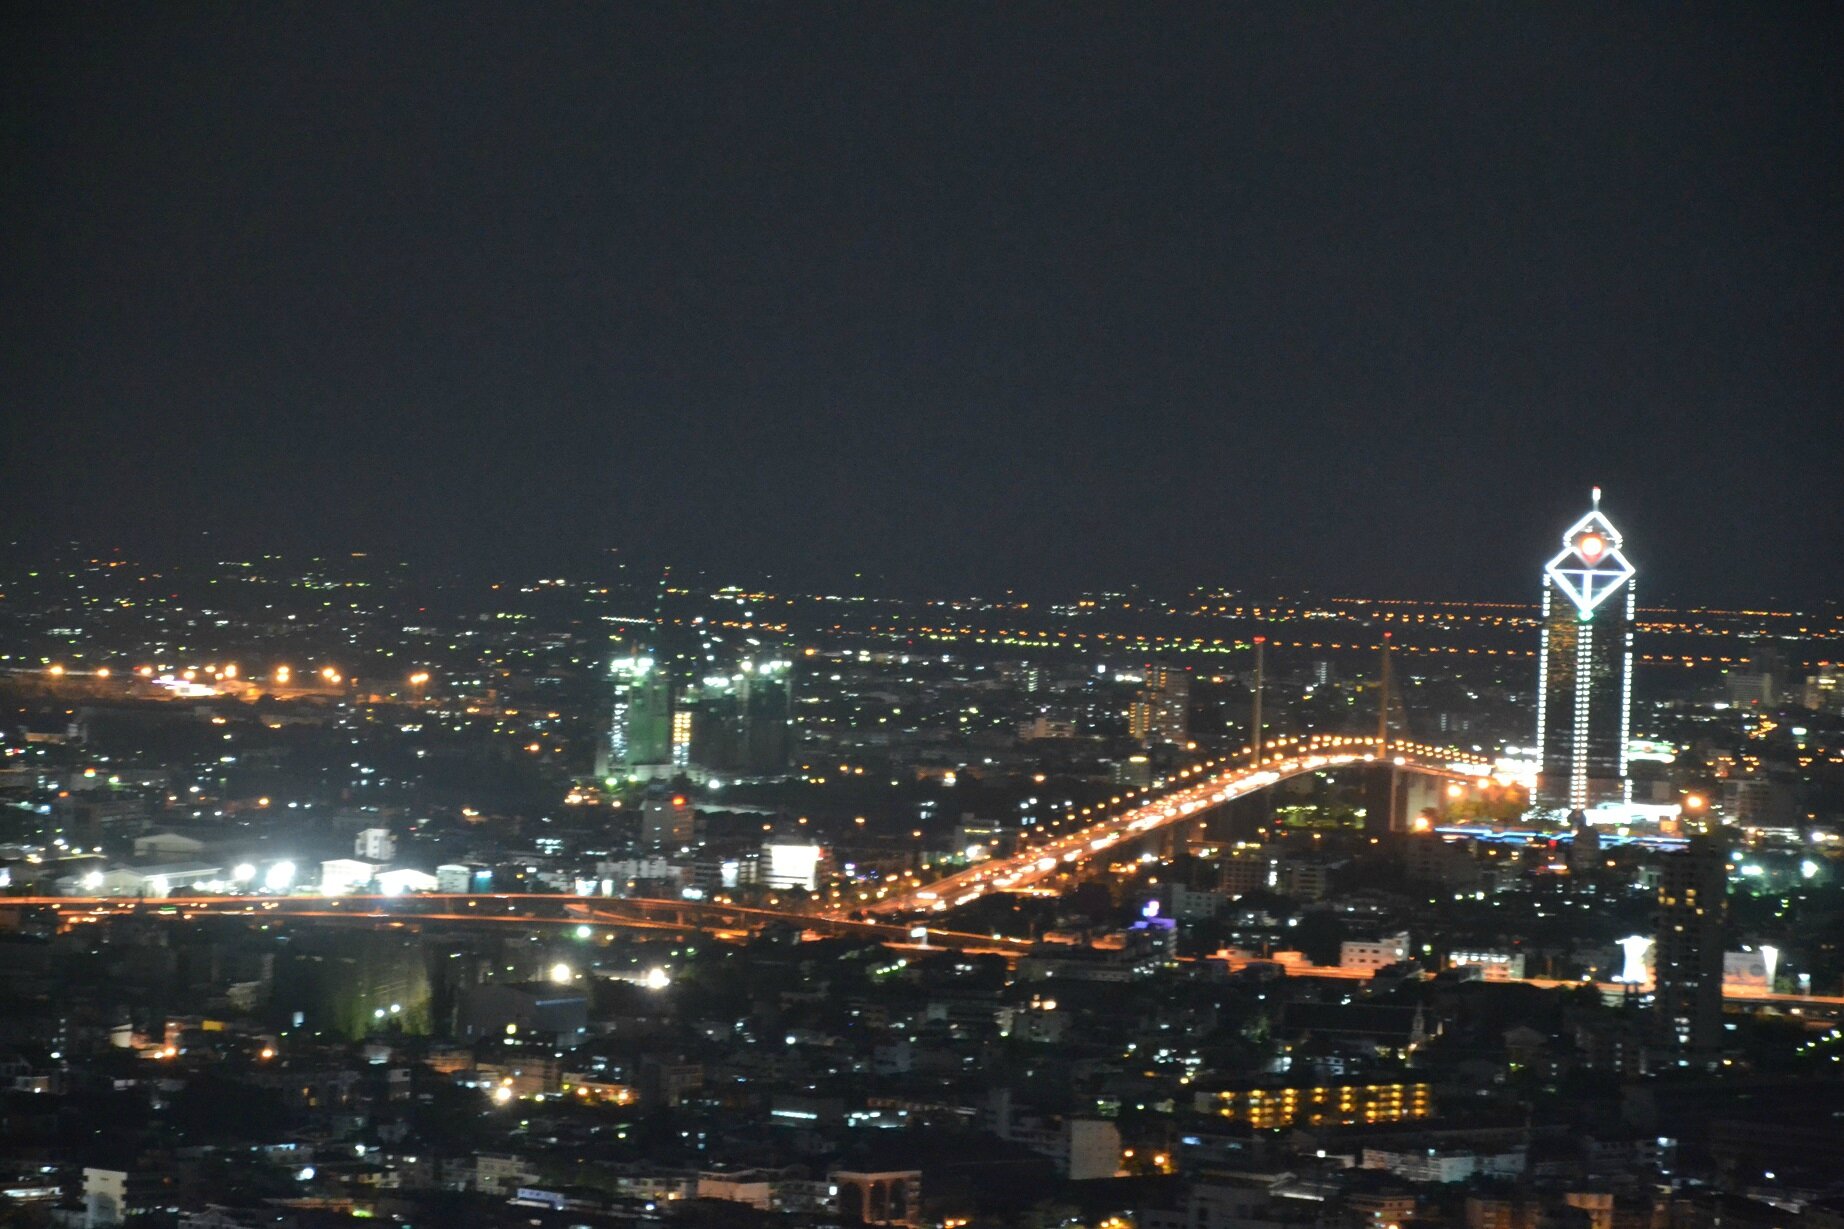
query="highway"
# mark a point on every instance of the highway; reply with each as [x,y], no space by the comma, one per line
[515,909]
[1189,796]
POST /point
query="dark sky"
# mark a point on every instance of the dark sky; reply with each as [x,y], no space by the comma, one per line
[1355,296]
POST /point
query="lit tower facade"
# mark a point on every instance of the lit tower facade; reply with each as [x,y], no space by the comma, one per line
[1585,668]
[639,745]
[1161,711]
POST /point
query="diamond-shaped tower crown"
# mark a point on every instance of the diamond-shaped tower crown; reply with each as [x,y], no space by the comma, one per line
[1591,567]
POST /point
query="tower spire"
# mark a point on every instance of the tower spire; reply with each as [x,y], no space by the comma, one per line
[1596,493]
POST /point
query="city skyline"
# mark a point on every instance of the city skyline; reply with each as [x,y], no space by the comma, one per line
[921,616]
[637,899]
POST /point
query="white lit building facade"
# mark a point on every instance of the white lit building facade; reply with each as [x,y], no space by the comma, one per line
[1585,669]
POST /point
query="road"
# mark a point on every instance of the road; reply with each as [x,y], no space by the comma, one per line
[518,909]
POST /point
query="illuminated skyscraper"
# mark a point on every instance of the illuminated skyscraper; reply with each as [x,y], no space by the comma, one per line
[1585,668]
[639,745]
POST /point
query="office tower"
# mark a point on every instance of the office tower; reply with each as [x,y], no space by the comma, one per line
[639,746]
[1585,668]
[1693,890]
[1161,711]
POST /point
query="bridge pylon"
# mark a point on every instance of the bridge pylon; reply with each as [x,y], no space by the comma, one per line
[1383,754]
[1255,715]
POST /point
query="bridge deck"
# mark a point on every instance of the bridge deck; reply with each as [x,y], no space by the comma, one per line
[1192,794]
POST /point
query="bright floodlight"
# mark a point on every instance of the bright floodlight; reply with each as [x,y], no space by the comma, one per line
[657,979]
[280,877]
[244,872]
[1770,957]
[1633,972]
[562,973]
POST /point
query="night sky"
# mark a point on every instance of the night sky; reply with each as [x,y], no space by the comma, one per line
[1361,297]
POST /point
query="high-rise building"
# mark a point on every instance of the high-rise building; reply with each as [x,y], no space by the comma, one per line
[666,821]
[1693,901]
[1585,668]
[743,723]
[1760,683]
[639,745]
[1161,711]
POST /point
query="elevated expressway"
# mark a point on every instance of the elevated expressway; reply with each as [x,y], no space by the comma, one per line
[536,910]
[1191,794]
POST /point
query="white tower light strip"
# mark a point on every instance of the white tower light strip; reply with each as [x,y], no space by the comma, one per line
[1578,758]
[1626,695]
[1543,679]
